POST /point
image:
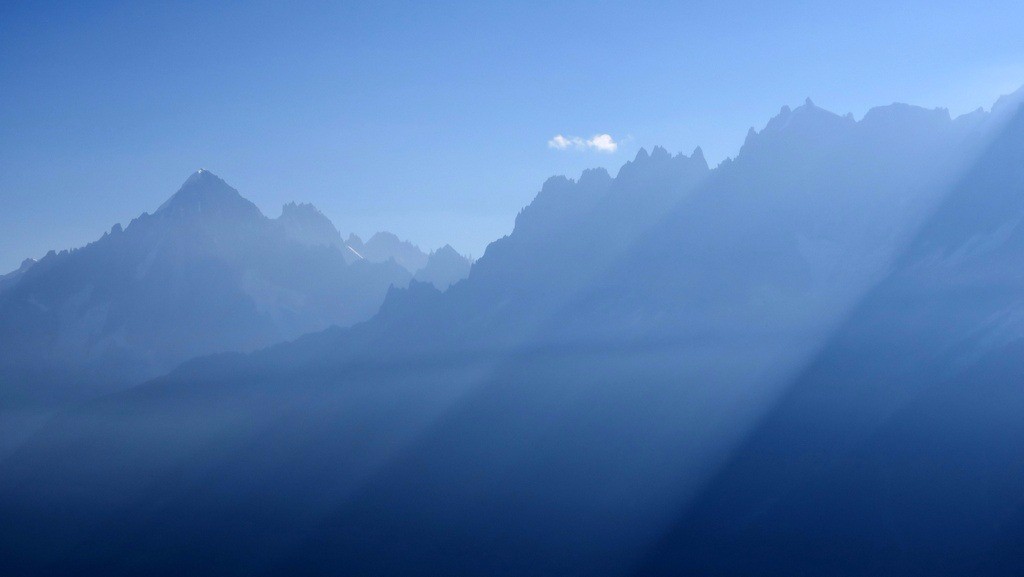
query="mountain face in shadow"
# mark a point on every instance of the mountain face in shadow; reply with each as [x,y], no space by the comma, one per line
[898,450]
[205,273]
[10,279]
[673,370]
[303,223]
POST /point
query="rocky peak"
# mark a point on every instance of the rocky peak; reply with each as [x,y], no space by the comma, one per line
[206,194]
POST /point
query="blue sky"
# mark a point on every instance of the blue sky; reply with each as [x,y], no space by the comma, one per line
[433,120]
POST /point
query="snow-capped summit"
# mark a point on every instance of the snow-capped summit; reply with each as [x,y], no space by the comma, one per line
[206,193]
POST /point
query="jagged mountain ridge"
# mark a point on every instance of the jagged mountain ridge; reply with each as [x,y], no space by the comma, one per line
[304,223]
[896,450]
[444,267]
[208,262]
[11,278]
[206,223]
[551,414]
[206,273]
[384,246]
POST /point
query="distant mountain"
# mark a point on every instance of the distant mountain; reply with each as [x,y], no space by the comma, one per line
[206,273]
[803,361]
[10,279]
[385,246]
[444,267]
[304,224]
[898,448]
[448,267]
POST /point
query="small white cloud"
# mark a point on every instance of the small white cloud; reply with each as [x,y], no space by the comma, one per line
[561,143]
[599,142]
[603,143]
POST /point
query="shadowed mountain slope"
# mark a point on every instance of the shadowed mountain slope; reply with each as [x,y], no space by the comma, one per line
[898,450]
[570,405]
[207,272]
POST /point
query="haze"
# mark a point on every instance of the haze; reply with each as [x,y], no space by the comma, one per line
[433,121]
[522,290]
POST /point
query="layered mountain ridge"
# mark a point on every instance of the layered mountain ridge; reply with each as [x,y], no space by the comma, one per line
[205,273]
[737,371]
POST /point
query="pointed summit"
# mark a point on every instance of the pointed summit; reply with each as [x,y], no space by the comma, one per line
[698,154]
[447,251]
[444,267]
[304,223]
[384,246]
[204,179]
[206,193]
[305,214]
[660,153]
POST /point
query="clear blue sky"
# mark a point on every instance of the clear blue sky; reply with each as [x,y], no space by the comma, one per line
[430,119]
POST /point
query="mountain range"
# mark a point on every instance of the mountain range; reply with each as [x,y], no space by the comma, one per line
[803,361]
[206,273]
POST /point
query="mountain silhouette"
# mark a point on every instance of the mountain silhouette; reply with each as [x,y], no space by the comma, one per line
[802,361]
[207,272]
[896,450]
[444,267]
[385,246]
[305,224]
[205,197]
